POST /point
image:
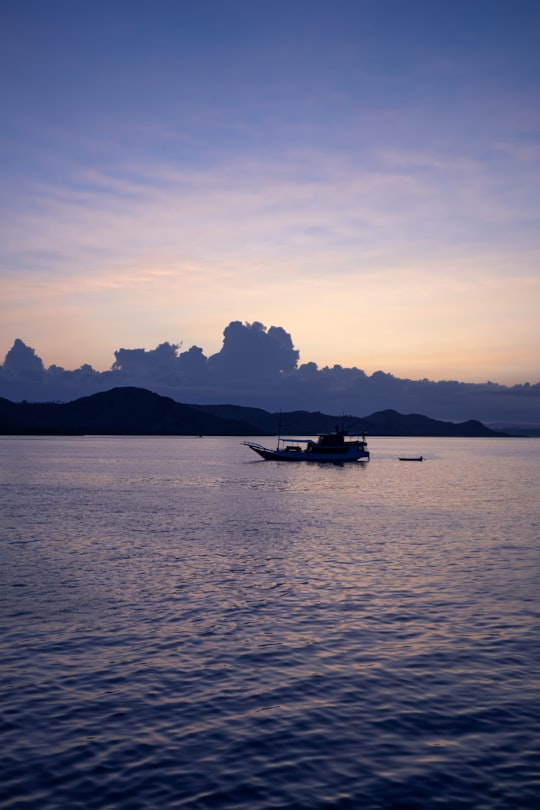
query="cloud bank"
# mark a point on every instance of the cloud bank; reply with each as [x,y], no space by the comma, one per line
[260,367]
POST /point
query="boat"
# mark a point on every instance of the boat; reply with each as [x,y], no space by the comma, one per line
[418,458]
[332,448]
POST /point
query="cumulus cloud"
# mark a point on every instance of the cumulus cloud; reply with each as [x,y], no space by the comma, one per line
[22,359]
[153,364]
[252,351]
[259,367]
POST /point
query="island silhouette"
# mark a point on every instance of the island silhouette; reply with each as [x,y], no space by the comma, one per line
[136,411]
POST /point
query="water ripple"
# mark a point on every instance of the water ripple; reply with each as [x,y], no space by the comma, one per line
[304,638]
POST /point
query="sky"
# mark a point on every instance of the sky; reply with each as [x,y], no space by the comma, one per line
[365,175]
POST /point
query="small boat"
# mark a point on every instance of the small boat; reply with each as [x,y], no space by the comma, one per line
[329,447]
[418,458]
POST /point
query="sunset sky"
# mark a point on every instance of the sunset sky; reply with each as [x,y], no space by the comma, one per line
[365,175]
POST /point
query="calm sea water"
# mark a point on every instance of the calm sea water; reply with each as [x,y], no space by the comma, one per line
[186,626]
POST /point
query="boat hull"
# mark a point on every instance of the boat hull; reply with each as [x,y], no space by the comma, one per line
[349,455]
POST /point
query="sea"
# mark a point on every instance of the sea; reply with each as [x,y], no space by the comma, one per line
[184,625]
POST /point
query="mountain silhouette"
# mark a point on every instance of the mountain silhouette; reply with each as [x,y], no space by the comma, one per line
[136,411]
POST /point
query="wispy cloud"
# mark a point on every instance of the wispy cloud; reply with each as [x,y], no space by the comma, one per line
[390,172]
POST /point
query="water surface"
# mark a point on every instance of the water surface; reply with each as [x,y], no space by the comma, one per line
[187,626]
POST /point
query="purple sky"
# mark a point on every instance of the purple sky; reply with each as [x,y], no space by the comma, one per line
[363,174]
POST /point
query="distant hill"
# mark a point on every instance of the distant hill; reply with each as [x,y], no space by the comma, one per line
[381,423]
[138,412]
[120,411]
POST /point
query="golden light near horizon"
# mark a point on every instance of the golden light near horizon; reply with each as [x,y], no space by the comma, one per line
[320,188]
